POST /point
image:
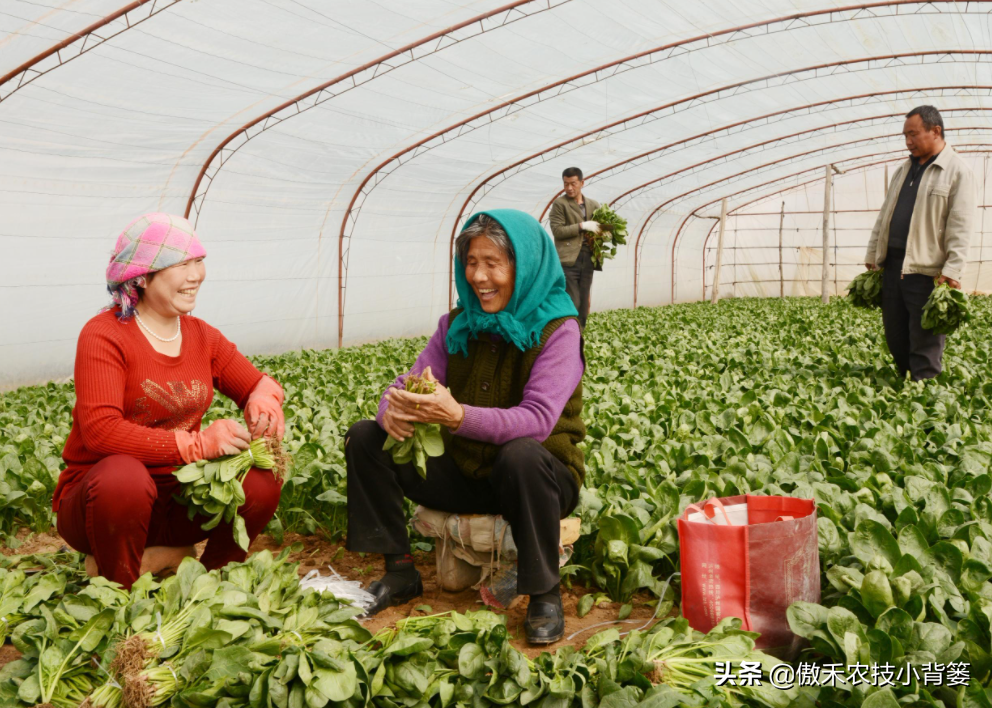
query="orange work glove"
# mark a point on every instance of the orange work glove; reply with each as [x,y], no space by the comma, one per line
[263,411]
[222,437]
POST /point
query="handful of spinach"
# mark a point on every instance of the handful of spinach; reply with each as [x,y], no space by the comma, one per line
[613,233]
[946,310]
[215,487]
[866,290]
[426,440]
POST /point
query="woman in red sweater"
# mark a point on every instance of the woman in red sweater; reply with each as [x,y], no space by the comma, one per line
[144,377]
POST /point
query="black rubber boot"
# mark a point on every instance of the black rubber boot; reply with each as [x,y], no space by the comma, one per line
[387,596]
[400,584]
[545,623]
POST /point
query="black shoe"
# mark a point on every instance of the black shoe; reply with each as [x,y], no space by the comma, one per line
[545,623]
[387,597]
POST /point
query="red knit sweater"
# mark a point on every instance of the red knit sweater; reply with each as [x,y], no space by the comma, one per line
[130,398]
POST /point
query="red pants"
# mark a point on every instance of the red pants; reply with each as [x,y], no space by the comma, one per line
[118,508]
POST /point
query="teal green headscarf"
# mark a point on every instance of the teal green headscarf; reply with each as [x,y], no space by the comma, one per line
[538,291]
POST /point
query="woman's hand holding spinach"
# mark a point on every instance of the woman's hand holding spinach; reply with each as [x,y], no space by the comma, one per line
[439,407]
[397,428]
[421,406]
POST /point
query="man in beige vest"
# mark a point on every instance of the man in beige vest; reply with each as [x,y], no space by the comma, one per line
[571,221]
[922,234]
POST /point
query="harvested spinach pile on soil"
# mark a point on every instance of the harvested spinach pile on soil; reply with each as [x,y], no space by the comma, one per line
[946,310]
[29,580]
[197,638]
[248,635]
[866,289]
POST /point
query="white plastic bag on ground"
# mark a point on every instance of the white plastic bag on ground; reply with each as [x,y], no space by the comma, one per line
[349,591]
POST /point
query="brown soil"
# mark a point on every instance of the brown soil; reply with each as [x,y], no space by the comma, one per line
[8,653]
[34,543]
[319,554]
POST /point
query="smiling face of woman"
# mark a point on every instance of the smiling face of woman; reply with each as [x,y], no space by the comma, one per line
[489,271]
[172,291]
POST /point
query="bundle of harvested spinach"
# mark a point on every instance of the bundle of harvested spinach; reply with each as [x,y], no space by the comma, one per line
[866,289]
[215,487]
[946,310]
[612,234]
[426,440]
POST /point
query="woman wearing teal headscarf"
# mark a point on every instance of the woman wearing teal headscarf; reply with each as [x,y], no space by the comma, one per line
[508,362]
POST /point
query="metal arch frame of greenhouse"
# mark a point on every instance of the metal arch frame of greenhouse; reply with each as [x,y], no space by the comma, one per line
[937,56]
[81,42]
[799,20]
[707,136]
[721,159]
[659,208]
[90,37]
[976,150]
[374,69]
[694,212]
[651,155]
[701,188]
[645,117]
[656,182]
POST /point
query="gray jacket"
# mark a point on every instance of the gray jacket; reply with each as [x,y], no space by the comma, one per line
[943,219]
[566,215]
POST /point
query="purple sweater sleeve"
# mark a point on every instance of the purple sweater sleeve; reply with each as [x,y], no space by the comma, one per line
[557,371]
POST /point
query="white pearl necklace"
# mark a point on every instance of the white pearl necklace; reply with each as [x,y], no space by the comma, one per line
[179,329]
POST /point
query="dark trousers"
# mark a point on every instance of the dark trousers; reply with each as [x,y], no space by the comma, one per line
[578,282]
[531,488]
[914,349]
[118,509]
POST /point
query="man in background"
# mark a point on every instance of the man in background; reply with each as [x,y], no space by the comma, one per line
[572,227]
[922,233]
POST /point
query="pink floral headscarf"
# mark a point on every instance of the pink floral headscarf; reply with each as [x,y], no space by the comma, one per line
[148,244]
